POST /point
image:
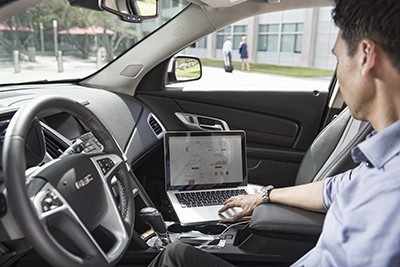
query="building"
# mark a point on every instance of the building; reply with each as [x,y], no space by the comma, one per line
[303,37]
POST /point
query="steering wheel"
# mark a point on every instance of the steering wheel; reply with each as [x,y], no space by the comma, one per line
[69,206]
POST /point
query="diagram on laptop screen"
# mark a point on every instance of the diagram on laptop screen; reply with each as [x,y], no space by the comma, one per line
[198,160]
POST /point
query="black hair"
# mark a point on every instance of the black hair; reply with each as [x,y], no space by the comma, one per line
[377,20]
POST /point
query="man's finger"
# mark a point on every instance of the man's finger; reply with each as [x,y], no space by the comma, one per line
[238,216]
[244,213]
[228,206]
[229,200]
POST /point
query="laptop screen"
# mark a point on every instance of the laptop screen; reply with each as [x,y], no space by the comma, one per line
[203,160]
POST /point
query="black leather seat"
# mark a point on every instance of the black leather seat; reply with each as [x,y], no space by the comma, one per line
[329,154]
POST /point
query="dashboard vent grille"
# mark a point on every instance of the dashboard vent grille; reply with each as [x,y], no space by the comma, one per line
[53,146]
[156,126]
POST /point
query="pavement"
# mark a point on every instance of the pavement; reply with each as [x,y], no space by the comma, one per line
[46,68]
[213,78]
[217,79]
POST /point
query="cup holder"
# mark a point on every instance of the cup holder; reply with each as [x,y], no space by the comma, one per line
[209,229]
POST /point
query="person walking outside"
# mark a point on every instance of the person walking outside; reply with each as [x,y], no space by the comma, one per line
[227,53]
[244,54]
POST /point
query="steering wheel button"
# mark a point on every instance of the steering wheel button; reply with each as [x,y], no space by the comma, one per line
[45,208]
[228,236]
[48,200]
[56,202]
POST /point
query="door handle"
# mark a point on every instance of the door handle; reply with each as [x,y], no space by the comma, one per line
[216,127]
[204,123]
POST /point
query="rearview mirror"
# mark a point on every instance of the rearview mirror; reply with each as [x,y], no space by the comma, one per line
[131,10]
[184,69]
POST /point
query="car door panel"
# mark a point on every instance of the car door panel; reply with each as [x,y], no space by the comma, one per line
[279,125]
[304,107]
[273,130]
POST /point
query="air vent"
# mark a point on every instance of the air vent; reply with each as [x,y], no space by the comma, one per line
[54,146]
[155,125]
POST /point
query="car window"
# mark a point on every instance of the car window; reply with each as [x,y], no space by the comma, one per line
[53,40]
[285,50]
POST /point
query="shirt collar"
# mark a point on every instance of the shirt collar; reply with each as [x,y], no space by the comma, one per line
[380,147]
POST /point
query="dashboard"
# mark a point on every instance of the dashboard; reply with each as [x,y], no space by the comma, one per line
[125,117]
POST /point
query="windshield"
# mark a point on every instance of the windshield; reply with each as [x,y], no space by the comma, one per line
[55,41]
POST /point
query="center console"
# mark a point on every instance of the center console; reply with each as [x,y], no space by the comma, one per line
[236,243]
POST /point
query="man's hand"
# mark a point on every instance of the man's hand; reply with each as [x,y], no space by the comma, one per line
[247,202]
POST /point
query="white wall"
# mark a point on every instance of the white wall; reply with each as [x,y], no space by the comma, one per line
[325,39]
[197,52]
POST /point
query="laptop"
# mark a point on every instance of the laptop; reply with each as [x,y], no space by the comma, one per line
[203,169]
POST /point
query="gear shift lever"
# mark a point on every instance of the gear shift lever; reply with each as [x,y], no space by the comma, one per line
[153,217]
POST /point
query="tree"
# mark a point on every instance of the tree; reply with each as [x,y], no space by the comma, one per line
[68,17]
[14,39]
[121,31]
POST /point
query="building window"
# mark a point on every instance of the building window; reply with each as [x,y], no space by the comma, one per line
[169,4]
[165,4]
[292,36]
[201,43]
[268,37]
[222,35]
[236,32]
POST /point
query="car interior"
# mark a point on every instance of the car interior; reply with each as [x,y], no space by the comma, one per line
[82,157]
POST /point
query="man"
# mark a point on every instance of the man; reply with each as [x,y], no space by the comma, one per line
[227,53]
[362,224]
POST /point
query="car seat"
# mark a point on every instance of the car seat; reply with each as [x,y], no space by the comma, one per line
[328,155]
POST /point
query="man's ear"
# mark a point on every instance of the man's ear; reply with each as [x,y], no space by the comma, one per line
[368,54]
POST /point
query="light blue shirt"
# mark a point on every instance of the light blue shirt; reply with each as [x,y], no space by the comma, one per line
[362,225]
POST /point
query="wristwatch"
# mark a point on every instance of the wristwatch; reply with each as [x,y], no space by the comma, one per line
[265,192]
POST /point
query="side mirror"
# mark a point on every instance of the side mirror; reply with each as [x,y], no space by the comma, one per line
[131,10]
[184,69]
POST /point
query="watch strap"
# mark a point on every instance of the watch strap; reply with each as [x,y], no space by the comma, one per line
[265,193]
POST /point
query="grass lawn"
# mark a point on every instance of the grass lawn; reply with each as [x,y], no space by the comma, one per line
[273,69]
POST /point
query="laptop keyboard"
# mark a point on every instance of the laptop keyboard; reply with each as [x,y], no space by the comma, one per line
[206,198]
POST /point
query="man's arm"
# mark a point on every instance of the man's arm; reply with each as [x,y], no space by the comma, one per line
[307,196]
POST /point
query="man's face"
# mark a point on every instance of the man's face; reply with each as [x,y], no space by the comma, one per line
[356,88]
